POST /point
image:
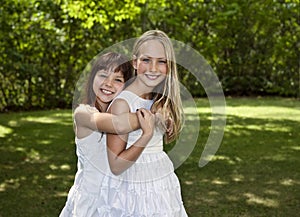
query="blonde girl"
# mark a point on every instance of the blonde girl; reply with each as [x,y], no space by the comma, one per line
[143,181]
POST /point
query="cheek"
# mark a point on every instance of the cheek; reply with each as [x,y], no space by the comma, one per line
[164,69]
[141,67]
[97,84]
[98,81]
[119,87]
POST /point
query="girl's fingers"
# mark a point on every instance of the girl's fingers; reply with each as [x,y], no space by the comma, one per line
[170,126]
[140,114]
[144,112]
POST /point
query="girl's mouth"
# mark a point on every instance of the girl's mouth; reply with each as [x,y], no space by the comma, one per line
[107,92]
[151,76]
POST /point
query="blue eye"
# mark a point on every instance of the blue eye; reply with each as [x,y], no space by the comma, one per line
[162,62]
[119,80]
[146,60]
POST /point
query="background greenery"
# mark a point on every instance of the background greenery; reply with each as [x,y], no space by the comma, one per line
[253,45]
[255,172]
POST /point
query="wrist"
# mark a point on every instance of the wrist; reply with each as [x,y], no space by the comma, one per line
[147,136]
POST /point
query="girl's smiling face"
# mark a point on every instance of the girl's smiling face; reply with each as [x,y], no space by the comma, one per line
[151,64]
[107,85]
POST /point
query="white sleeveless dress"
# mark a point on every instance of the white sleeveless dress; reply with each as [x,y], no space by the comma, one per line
[92,167]
[149,188]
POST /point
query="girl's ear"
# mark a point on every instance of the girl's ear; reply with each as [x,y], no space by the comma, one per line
[134,61]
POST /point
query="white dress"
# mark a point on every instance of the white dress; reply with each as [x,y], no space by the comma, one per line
[149,188]
[92,166]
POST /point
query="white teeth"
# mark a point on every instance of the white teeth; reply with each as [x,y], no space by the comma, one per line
[152,77]
[106,91]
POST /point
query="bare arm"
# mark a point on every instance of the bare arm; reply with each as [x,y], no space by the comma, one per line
[105,122]
[119,157]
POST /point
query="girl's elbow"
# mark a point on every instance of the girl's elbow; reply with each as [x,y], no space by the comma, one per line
[115,171]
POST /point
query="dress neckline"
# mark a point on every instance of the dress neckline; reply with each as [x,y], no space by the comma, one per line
[132,93]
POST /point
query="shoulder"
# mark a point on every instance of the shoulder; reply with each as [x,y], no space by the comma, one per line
[118,106]
[128,95]
[85,107]
[83,110]
[121,104]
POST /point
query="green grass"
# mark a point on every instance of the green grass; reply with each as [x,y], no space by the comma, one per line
[255,172]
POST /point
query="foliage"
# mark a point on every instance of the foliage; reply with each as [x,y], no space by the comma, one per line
[254,173]
[253,46]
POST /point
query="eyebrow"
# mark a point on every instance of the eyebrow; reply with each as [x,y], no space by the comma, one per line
[145,55]
[120,76]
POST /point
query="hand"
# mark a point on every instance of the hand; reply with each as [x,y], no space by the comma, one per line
[165,124]
[169,126]
[147,121]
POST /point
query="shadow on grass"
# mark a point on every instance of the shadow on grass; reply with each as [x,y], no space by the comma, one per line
[37,158]
[254,173]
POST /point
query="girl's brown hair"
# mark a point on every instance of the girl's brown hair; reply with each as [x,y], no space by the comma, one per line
[111,61]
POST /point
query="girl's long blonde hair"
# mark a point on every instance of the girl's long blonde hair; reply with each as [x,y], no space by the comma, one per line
[166,95]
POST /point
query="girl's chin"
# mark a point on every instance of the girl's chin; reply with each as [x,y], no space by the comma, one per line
[107,99]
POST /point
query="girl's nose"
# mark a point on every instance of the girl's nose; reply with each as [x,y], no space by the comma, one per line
[108,81]
[153,66]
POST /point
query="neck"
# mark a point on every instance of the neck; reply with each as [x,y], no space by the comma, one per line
[141,90]
[102,105]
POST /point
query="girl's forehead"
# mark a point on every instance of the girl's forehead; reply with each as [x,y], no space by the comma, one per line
[111,71]
[152,48]
[118,73]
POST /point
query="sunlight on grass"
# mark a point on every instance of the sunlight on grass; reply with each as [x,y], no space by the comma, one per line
[65,167]
[34,156]
[204,110]
[11,183]
[296,148]
[44,142]
[263,112]
[53,166]
[61,167]
[275,157]
[238,177]
[254,200]
[43,117]
[5,131]
[227,159]
[189,110]
[267,127]
[188,182]
[272,192]
[219,182]
[13,123]
[61,194]
[232,198]
[289,182]
[21,149]
[44,120]
[51,176]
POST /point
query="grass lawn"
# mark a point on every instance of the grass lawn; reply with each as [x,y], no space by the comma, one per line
[255,172]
